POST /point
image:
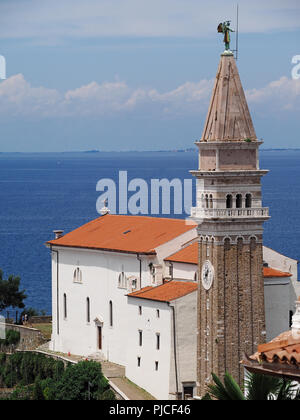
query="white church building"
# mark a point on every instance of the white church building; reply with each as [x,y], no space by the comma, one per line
[126,287]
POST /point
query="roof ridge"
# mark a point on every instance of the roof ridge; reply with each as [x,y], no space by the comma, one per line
[175,219]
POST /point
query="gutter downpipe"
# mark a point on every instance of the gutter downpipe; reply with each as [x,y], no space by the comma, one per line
[57,286]
[140,260]
[175,350]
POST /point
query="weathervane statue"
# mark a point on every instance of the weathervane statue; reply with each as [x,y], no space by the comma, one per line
[225,29]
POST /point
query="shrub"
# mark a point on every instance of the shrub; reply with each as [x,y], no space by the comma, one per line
[83,381]
[12,338]
[107,395]
[22,393]
[39,377]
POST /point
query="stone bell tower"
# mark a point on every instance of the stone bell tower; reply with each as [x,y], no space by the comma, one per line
[230,217]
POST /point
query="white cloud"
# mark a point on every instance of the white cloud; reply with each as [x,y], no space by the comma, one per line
[52,20]
[20,98]
[95,99]
[280,94]
[114,97]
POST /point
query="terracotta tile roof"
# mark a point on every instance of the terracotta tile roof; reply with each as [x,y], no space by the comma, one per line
[280,357]
[271,272]
[167,292]
[283,349]
[130,234]
[189,255]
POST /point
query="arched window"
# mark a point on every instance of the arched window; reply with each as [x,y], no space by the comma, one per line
[229,201]
[211,201]
[122,281]
[77,276]
[239,201]
[111,319]
[65,306]
[203,201]
[248,201]
[88,310]
[206,201]
[152,272]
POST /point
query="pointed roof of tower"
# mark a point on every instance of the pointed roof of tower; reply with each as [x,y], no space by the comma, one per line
[228,116]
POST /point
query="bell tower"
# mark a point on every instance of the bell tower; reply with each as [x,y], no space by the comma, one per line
[230,217]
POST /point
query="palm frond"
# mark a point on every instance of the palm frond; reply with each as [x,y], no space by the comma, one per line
[218,390]
[287,391]
[230,391]
[233,389]
[261,387]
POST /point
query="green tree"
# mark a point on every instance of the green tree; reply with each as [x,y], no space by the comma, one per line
[38,394]
[10,293]
[257,388]
[38,377]
[83,381]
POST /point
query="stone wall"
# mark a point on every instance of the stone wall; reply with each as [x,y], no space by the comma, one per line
[30,338]
[5,393]
[47,319]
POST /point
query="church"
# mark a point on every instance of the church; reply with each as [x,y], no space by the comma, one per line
[172,300]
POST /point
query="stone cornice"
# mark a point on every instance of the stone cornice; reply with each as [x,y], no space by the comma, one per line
[230,173]
[228,144]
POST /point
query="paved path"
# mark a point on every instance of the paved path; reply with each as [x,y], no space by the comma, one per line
[116,375]
[132,391]
[111,370]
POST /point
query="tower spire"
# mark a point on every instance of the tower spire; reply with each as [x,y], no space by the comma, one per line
[228,117]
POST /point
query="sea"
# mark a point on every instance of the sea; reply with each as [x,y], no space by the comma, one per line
[43,192]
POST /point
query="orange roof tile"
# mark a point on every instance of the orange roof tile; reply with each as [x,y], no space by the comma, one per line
[283,349]
[271,272]
[166,292]
[189,255]
[130,234]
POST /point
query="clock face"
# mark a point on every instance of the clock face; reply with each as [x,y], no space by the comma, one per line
[207,275]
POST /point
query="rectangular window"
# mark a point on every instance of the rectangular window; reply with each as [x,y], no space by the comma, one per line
[188,392]
[139,362]
[156,366]
[157,341]
[111,318]
[88,310]
[65,307]
[140,338]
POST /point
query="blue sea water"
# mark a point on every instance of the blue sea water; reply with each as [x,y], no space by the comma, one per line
[43,192]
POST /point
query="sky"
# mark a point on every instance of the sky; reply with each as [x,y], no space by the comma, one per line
[118,75]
